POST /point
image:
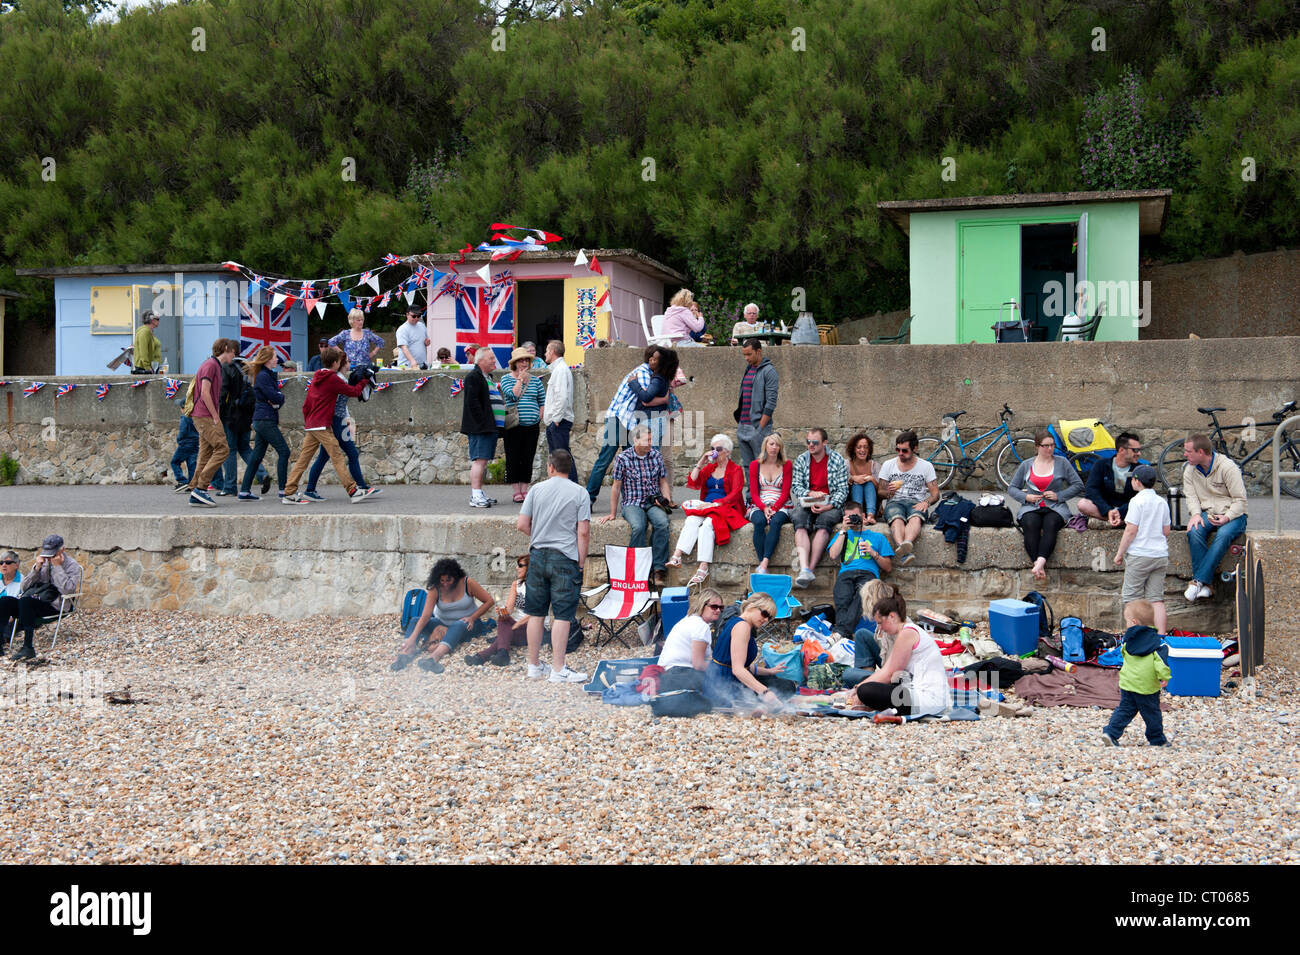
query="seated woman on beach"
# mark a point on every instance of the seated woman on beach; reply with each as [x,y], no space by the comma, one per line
[512,624]
[925,690]
[734,676]
[455,609]
[691,638]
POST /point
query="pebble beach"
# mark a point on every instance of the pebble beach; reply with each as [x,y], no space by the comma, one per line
[157,737]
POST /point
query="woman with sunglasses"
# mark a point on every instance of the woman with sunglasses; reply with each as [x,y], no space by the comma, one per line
[512,624]
[720,510]
[734,676]
[689,642]
[11,585]
[1042,485]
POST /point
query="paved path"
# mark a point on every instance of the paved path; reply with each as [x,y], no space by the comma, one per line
[110,499]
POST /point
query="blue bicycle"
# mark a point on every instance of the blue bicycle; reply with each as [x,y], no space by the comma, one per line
[939,451]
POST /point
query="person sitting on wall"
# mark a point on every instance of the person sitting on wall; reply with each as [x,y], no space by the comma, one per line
[721,482]
[863,555]
[910,488]
[1109,489]
[819,484]
[1043,485]
[1216,503]
[641,484]
[455,609]
[54,574]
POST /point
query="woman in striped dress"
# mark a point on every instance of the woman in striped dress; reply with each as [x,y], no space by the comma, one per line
[522,391]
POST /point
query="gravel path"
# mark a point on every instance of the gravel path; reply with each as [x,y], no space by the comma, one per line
[255,740]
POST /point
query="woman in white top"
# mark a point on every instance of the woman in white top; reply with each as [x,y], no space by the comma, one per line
[914,653]
[512,623]
[690,641]
[11,578]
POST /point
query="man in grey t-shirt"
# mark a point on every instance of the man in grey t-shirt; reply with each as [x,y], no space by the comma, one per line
[556,516]
[413,341]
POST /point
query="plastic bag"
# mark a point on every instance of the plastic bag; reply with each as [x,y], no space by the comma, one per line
[842,651]
[814,652]
[787,663]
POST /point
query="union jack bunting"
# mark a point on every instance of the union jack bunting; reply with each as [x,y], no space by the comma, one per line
[334,286]
[308,290]
[383,385]
[420,383]
[457,386]
[485,315]
[101,392]
[141,383]
[279,383]
[171,386]
[391,259]
[64,389]
[34,387]
[267,325]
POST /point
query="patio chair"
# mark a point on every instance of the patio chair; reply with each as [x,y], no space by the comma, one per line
[67,605]
[627,599]
[829,334]
[654,329]
[894,339]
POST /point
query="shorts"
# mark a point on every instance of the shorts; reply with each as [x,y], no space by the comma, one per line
[1144,578]
[483,446]
[804,519]
[899,511]
[552,583]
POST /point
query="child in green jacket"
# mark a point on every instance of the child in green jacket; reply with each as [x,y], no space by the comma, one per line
[1141,678]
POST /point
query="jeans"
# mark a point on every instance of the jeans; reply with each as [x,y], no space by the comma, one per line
[557,439]
[864,494]
[458,631]
[866,650]
[752,448]
[187,450]
[268,436]
[847,596]
[1130,705]
[614,438]
[767,532]
[349,448]
[637,517]
[1207,553]
[239,448]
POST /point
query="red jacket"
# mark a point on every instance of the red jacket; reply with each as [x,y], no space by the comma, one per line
[786,469]
[728,514]
[325,387]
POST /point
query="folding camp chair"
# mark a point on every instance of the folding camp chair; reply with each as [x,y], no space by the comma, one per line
[628,600]
[67,605]
[778,587]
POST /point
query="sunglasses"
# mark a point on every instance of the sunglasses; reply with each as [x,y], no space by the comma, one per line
[812,444]
[766,615]
[713,606]
[8,562]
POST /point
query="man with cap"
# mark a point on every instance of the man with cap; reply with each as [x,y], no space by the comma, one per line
[53,575]
[313,363]
[1145,545]
[413,341]
[147,349]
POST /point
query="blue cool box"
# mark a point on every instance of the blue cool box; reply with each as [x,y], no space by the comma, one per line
[1195,664]
[674,605]
[1013,624]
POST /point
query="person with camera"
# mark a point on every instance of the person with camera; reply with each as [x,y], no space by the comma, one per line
[642,488]
[345,432]
[863,555]
[54,574]
[317,412]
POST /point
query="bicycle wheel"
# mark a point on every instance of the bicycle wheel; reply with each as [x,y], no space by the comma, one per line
[1289,458]
[940,455]
[1170,468]
[1083,462]
[1019,448]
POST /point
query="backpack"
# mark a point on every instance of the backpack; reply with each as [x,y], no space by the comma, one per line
[412,607]
[1046,619]
[187,409]
[1072,640]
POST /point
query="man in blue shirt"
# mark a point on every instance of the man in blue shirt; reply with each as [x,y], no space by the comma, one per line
[863,555]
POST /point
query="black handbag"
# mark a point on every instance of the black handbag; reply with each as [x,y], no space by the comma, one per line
[46,592]
[992,515]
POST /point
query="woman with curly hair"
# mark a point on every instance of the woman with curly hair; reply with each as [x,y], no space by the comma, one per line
[455,608]
[863,472]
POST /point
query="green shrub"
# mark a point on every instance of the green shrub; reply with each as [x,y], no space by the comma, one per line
[496,471]
[8,469]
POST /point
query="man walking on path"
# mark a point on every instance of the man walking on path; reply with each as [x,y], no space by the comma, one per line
[213,449]
[556,516]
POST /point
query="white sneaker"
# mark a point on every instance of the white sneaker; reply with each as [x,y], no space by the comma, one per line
[539,671]
[360,494]
[805,578]
[1192,592]
[567,676]
[1204,591]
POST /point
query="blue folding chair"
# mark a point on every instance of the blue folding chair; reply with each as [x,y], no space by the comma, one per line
[778,587]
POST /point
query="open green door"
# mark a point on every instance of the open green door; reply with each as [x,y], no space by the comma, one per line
[989,263]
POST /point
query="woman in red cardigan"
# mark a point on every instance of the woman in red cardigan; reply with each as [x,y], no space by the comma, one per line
[720,510]
[769,490]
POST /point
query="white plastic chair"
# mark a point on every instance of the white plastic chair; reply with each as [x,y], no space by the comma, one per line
[654,330]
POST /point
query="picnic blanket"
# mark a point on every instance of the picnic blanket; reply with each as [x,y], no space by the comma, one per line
[1086,686]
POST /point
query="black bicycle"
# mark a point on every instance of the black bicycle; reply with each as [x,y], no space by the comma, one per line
[1230,440]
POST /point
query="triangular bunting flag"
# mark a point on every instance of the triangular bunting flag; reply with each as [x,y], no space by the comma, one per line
[371,279]
[34,387]
[420,383]
[64,389]
[581,259]
[594,265]
[277,298]
[485,274]
[320,308]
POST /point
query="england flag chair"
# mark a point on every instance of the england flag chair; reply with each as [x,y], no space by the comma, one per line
[628,600]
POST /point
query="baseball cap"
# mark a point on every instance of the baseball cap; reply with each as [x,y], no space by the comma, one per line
[322,341]
[51,546]
[1146,474]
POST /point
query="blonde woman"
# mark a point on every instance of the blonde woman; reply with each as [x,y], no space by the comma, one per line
[871,645]
[690,640]
[267,398]
[682,320]
[359,343]
[735,677]
[769,490]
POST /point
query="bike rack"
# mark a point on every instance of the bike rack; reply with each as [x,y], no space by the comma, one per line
[1277,475]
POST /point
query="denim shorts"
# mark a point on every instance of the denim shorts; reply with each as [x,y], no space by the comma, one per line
[553,582]
[483,446]
[897,511]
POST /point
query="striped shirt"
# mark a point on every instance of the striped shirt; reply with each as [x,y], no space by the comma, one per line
[498,404]
[747,392]
[529,402]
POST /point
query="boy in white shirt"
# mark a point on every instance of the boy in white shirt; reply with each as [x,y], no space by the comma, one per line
[1146,529]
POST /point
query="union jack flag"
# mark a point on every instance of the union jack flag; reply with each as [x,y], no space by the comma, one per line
[485,315]
[34,387]
[308,290]
[101,392]
[64,389]
[391,259]
[420,383]
[171,386]
[141,383]
[586,337]
[267,325]
[279,383]
[457,386]
[334,286]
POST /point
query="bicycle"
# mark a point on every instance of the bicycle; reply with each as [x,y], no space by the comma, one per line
[1172,459]
[1017,449]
